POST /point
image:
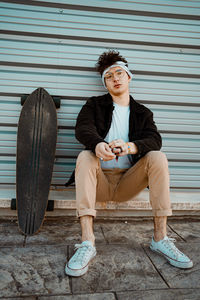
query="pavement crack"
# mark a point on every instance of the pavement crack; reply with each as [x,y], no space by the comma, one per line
[70,278]
[162,277]
[172,229]
[18,285]
[104,234]
[115,294]
[181,273]
[24,242]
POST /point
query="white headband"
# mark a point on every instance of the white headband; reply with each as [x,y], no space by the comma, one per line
[116,64]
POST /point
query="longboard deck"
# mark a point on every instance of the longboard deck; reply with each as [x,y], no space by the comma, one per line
[36,145]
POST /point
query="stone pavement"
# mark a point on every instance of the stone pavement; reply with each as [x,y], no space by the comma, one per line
[124,269]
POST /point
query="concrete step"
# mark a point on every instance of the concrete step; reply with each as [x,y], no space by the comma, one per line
[183,203]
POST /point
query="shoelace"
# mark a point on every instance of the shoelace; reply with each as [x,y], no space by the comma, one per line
[81,253]
[170,245]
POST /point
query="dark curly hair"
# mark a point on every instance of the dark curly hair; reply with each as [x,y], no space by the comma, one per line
[107,59]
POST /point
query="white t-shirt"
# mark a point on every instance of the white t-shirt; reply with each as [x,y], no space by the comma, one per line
[119,129]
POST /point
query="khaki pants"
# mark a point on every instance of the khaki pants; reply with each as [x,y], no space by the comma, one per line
[94,184]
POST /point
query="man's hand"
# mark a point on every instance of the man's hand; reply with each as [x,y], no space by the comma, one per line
[104,152]
[120,148]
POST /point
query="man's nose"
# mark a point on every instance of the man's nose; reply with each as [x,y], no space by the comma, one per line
[115,77]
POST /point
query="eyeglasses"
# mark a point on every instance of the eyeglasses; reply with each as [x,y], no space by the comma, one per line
[117,74]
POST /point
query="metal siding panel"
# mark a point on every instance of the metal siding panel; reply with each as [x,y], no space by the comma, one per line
[65,22]
[72,56]
[57,47]
[89,26]
[85,84]
[187,7]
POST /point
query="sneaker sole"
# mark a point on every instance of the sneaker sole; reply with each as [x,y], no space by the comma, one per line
[75,273]
[79,272]
[181,265]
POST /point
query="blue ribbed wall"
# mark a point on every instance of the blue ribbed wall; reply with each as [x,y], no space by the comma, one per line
[56,45]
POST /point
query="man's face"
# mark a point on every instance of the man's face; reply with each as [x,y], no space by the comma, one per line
[117,81]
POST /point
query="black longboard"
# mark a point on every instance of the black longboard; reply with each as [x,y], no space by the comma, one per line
[36,145]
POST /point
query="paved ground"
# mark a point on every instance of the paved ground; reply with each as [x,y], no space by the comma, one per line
[124,269]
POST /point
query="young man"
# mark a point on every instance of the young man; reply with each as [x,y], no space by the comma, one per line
[121,159]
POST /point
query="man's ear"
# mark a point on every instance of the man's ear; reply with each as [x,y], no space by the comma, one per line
[129,78]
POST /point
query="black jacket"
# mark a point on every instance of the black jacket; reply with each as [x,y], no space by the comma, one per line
[94,121]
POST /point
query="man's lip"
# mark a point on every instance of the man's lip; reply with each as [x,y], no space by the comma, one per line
[117,85]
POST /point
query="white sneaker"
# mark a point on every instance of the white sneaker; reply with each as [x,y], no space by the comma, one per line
[78,264]
[167,249]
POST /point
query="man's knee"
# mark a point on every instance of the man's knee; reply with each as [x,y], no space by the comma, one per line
[157,158]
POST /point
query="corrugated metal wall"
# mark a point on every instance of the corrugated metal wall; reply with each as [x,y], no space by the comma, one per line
[55,45]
